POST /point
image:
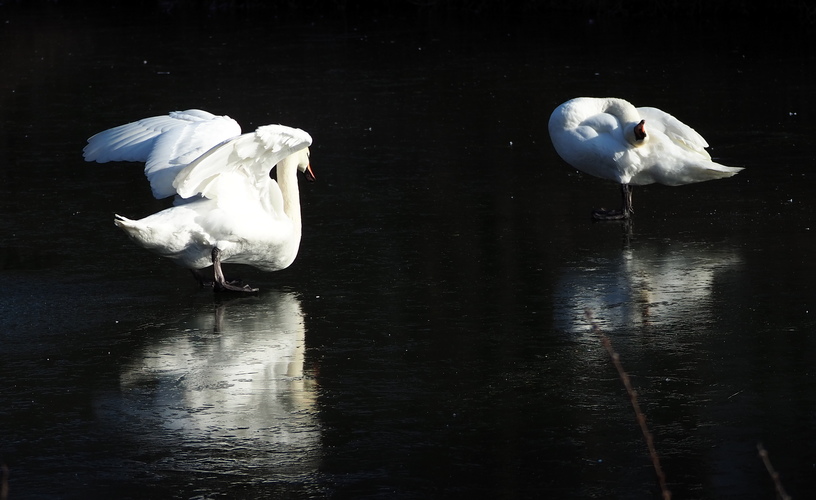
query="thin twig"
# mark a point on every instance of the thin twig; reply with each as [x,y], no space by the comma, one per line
[780,491]
[641,418]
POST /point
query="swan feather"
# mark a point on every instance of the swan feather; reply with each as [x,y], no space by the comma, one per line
[592,135]
[166,144]
[250,156]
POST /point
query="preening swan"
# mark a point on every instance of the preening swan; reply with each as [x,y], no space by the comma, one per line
[227,208]
[612,139]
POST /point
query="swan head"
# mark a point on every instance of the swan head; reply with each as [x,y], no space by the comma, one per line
[304,165]
[636,134]
[300,160]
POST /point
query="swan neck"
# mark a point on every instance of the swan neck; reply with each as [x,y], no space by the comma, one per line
[629,118]
[623,110]
[287,180]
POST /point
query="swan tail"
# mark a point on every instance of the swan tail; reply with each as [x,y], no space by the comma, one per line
[133,228]
[710,170]
[699,172]
[717,171]
[147,236]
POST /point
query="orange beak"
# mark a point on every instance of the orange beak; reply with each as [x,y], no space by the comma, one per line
[310,176]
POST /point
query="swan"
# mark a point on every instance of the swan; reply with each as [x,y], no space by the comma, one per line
[612,139]
[227,208]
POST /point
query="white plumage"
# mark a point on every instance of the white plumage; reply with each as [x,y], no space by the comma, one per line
[611,139]
[227,208]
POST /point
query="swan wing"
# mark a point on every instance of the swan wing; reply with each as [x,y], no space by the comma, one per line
[677,153]
[677,131]
[166,144]
[240,164]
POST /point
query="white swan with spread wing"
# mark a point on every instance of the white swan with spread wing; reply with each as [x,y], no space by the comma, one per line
[227,208]
[612,139]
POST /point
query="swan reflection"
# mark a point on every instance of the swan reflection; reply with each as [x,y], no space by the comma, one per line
[229,379]
[650,285]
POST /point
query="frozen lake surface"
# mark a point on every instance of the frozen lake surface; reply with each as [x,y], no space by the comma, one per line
[430,339]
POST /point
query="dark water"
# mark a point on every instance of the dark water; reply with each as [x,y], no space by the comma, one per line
[430,341]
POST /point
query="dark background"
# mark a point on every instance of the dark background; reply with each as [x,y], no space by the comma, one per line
[437,304]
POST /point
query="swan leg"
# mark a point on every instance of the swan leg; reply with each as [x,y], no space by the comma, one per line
[624,213]
[220,284]
[626,191]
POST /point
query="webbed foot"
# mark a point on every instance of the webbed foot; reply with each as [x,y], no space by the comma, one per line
[624,213]
[220,284]
[230,286]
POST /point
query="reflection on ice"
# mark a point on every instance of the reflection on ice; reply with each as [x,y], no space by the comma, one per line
[229,382]
[648,285]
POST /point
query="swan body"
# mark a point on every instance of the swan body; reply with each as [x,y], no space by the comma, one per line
[612,139]
[226,206]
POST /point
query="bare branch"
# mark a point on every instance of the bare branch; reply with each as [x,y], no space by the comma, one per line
[780,491]
[641,418]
